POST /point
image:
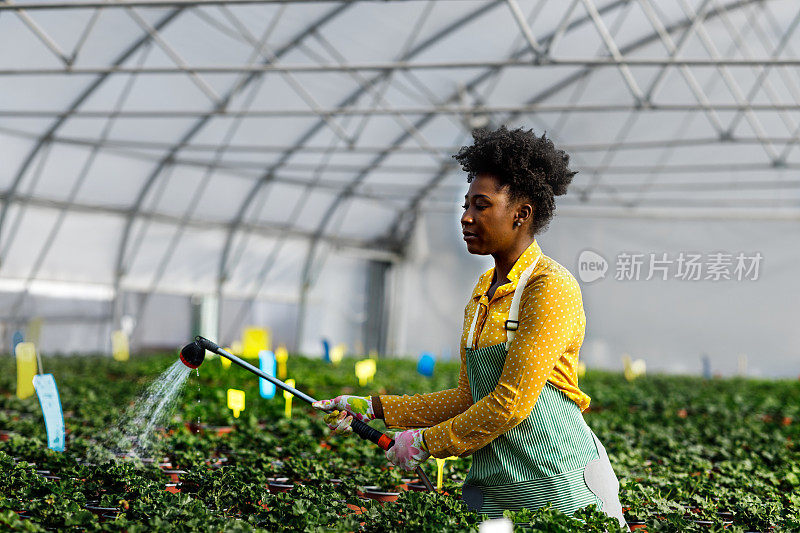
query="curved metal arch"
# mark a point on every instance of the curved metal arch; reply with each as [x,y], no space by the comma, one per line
[11,193]
[267,177]
[166,161]
[562,84]
[347,191]
[546,93]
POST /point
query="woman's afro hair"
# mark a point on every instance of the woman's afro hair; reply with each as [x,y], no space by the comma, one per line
[531,167]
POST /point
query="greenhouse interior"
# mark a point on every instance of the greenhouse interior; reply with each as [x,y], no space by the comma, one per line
[399,265]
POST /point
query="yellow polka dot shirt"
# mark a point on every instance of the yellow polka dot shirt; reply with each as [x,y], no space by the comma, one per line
[545,348]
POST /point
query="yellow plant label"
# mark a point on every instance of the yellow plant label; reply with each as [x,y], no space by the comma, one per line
[226,363]
[288,397]
[254,340]
[34,329]
[365,371]
[281,357]
[633,369]
[120,348]
[235,349]
[440,470]
[236,401]
[26,369]
[337,353]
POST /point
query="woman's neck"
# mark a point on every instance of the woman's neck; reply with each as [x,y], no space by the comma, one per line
[504,261]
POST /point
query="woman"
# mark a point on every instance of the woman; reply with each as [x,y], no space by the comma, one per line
[517,407]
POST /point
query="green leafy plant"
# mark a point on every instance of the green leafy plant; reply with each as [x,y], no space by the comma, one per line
[690,454]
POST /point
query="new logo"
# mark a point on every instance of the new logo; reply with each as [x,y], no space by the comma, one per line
[591,266]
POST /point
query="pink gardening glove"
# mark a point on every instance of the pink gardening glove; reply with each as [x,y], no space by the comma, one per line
[338,408]
[409,450]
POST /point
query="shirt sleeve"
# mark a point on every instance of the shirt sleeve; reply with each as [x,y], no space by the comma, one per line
[549,318]
[425,410]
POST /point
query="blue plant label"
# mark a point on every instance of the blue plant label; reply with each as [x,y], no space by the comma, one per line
[16,338]
[45,385]
[426,364]
[268,365]
[326,350]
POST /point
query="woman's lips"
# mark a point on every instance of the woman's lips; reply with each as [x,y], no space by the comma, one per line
[468,236]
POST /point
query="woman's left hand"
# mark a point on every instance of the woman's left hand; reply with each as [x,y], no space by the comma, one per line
[409,450]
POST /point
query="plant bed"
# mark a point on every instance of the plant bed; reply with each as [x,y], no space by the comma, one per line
[163,463]
[99,510]
[721,463]
[174,475]
[217,430]
[276,485]
[417,487]
[378,494]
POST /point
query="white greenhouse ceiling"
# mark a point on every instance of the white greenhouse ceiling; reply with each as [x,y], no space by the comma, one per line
[185,145]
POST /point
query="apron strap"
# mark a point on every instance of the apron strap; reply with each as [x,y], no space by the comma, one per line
[472,327]
[512,324]
[513,314]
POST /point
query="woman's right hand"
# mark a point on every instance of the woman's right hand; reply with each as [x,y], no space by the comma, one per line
[340,408]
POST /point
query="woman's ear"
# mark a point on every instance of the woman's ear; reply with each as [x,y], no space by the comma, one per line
[524,212]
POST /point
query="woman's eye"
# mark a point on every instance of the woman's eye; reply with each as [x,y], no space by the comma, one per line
[465,206]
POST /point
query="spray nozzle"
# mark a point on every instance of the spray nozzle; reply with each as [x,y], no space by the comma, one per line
[192,355]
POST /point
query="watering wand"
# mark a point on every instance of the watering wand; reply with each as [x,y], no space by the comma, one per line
[193,354]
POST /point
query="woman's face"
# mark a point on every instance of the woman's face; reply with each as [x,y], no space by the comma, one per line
[489,217]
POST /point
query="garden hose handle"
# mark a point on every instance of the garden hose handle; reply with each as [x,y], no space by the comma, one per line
[368,433]
[381,439]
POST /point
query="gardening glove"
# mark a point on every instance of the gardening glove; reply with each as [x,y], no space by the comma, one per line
[409,450]
[340,408]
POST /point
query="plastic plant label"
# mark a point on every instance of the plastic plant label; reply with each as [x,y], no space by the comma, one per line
[45,385]
[365,371]
[34,329]
[633,369]
[426,364]
[337,353]
[268,365]
[326,350]
[120,348]
[706,366]
[288,397]
[235,349]
[281,357]
[16,338]
[440,470]
[254,340]
[236,401]
[26,369]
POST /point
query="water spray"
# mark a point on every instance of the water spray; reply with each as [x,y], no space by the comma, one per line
[193,355]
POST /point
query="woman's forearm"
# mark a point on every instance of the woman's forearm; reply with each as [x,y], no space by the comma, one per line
[424,410]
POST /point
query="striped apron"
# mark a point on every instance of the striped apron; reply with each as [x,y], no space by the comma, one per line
[551,456]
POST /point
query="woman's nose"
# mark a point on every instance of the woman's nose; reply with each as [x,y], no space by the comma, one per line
[466,218]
